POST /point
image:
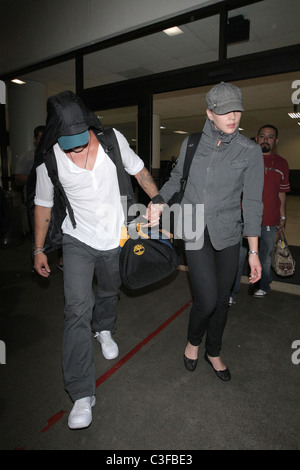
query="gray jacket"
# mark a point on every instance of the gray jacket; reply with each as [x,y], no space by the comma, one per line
[225,168]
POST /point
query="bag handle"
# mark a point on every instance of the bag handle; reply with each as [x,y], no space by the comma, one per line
[281,235]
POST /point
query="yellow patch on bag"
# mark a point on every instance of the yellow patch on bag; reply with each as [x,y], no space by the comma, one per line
[124,236]
[139,229]
[139,249]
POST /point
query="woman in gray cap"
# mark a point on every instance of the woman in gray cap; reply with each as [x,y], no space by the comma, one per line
[226,167]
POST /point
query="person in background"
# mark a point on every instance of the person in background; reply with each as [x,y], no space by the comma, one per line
[23,168]
[225,166]
[276,185]
[25,161]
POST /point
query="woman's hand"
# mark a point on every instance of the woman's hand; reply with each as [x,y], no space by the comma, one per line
[255,267]
[153,214]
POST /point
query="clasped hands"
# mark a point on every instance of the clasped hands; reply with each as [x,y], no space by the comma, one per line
[153,214]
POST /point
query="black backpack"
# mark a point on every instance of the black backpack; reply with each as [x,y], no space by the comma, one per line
[61,204]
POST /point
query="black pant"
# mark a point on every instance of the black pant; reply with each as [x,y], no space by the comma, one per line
[212,274]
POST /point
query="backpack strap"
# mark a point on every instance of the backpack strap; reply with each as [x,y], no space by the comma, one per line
[108,140]
[51,166]
[192,145]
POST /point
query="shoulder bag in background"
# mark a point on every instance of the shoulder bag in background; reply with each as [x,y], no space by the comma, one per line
[282,260]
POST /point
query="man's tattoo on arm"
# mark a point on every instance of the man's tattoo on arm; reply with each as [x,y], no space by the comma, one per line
[147,182]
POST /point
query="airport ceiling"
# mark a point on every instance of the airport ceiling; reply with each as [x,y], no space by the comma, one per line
[266,99]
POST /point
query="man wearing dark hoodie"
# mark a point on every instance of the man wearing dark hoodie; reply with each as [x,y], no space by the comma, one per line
[225,166]
[88,182]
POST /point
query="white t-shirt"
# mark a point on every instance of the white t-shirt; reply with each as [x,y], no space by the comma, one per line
[94,195]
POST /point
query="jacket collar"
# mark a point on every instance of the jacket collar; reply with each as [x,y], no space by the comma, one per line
[216,135]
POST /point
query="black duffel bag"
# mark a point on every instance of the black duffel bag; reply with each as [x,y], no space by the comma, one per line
[147,258]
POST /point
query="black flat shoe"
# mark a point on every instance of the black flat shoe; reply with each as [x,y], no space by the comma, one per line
[190,364]
[224,375]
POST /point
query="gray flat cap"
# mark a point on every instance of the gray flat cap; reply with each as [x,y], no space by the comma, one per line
[224,98]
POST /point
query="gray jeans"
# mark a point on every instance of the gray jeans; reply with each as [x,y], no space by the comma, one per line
[85,312]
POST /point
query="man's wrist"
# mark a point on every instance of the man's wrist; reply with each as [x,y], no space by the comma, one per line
[38,250]
[157,199]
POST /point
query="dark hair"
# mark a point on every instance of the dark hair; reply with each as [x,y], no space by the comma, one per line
[37,130]
[268,125]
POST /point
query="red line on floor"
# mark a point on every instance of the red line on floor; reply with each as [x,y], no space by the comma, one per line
[134,350]
[56,417]
[53,420]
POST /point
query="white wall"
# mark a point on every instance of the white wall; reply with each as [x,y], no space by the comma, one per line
[289,147]
[27,110]
[170,146]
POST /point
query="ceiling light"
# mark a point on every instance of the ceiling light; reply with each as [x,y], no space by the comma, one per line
[18,82]
[173,31]
[180,132]
[162,127]
[294,115]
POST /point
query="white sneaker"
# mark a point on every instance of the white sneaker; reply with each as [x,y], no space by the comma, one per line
[81,413]
[231,301]
[259,293]
[109,347]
